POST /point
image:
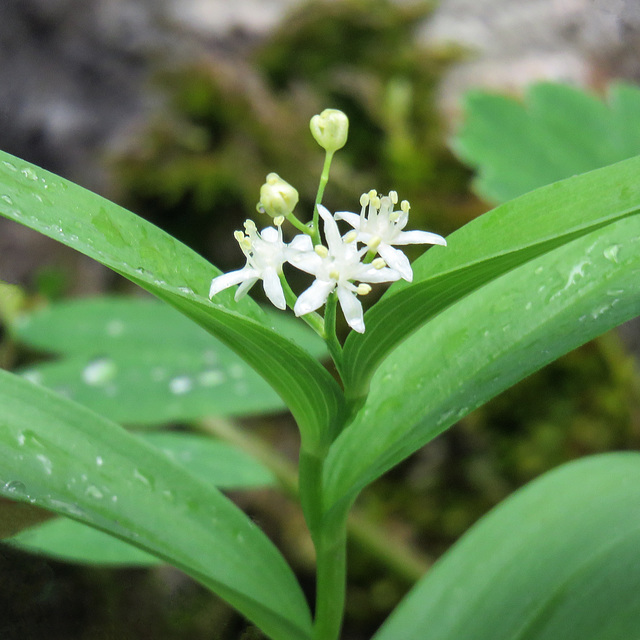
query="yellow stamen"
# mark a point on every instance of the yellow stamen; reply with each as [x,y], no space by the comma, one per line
[350,236]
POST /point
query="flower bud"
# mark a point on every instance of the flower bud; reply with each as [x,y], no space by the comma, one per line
[277,197]
[330,129]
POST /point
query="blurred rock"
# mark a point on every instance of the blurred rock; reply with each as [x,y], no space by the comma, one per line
[511,44]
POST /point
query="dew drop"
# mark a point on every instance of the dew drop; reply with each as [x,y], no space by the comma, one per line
[99,461]
[146,480]
[15,488]
[7,199]
[236,371]
[115,328]
[158,374]
[28,172]
[9,166]
[46,463]
[180,385]
[611,253]
[210,357]
[93,492]
[211,378]
[99,372]
[32,376]
[187,290]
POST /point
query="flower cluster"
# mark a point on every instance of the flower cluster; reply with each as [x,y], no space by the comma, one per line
[346,264]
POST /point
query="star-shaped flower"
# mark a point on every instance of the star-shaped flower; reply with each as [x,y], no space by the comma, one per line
[266,252]
[336,267]
[380,227]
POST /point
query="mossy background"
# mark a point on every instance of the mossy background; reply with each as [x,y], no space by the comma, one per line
[196,171]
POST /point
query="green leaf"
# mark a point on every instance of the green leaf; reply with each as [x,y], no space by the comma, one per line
[160,264]
[556,132]
[215,463]
[57,455]
[140,362]
[558,559]
[71,541]
[120,323]
[496,242]
[484,343]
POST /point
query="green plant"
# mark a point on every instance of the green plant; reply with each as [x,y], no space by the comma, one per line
[512,291]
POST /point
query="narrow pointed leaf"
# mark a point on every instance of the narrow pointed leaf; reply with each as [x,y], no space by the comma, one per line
[571,571]
[216,463]
[483,344]
[62,457]
[160,264]
[491,245]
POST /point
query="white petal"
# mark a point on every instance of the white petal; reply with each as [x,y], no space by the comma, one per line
[350,218]
[269,235]
[352,309]
[302,242]
[419,237]
[244,288]
[331,231]
[370,274]
[308,261]
[397,261]
[314,297]
[273,288]
[227,280]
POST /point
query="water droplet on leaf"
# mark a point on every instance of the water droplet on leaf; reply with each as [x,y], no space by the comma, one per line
[99,372]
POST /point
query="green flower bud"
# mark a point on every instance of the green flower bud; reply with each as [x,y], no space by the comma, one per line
[277,197]
[330,129]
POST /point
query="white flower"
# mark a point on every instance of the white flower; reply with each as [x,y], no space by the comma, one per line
[383,227]
[337,266]
[266,253]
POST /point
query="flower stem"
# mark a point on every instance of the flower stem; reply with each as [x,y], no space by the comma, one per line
[324,178]
[335,348]
[300,226]
[313,319]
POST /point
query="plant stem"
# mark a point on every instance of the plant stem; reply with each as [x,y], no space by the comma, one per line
[324,178]
[400,559]
[331,564]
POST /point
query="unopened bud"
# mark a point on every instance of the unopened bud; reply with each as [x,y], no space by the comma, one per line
[277,196]
[330,129]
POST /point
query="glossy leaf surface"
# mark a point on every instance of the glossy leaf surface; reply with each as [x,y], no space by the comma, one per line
[62,457]
[215,463]
[481,251]
[140,362]
[160,264]
[483,344]
[555,132]
[558,559]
